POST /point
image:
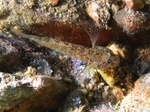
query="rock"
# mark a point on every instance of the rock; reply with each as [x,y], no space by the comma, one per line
[40,18]
[112,95]
[99,12]
[124,51]
[44,13]
[9,56]
[75,102]
[102,108]
[29,91]
[135,4]
[42,66]
[54,2]
[44,87]
[131,20]
[139,98]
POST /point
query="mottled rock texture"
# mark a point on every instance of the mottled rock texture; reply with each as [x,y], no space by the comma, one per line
[84,22]
[29,91]
[139,98]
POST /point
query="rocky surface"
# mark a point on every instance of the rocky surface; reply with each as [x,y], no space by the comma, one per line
[27,91]
[36,78]
[138,99]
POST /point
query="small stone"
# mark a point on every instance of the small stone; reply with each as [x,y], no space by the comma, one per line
[121,50]
[54,2]
[99,13]
[135,4]
[131,20]
[109,76]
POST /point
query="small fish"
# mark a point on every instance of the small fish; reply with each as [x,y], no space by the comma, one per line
[98,57]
